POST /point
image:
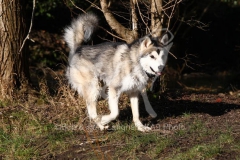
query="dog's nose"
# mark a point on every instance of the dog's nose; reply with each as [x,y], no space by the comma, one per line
[160,68]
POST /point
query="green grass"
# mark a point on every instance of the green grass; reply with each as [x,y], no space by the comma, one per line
[134,143]
[206,150]
[25,136]
[21,136]
[198,152]
[4,103]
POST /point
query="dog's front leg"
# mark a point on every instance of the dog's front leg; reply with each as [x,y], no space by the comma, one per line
[147,104]
[135,112]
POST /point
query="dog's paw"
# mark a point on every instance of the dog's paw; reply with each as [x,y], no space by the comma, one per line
[98,122]
[141,127]
[102,127]
[144,128]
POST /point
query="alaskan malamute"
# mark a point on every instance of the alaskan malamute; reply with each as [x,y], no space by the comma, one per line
[122,67]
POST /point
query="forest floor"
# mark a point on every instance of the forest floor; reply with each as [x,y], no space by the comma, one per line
[197,118]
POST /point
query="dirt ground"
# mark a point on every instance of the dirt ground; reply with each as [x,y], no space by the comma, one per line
[177,109]
[211,100]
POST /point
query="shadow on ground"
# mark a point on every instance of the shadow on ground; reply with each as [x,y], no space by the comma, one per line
[170,105]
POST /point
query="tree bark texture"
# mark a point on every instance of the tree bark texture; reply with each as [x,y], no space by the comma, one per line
[14,68]
[156,17]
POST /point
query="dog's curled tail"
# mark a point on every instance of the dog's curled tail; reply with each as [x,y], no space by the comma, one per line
[80,30]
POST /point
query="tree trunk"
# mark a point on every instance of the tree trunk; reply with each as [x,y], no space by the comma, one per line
[14,68]
[156,17]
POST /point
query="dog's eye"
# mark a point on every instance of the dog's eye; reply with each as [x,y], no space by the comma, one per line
[152,56]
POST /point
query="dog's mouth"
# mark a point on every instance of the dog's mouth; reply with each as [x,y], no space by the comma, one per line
[156,73]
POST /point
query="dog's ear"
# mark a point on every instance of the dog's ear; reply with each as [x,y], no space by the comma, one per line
[146,43]
[164,39]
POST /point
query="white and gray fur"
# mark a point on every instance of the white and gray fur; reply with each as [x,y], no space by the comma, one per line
[122,67]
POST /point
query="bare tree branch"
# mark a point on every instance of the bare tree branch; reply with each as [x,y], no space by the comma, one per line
[94,5]
[134,15]
[141,15]
[125,33]
[171,15]
[77,6]
[188,62]
[172,54]
[30,28]
[111,33]
[91,5]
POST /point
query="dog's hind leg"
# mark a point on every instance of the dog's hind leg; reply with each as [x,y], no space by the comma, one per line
[92,112]
[113,97]
[90,94]
[135,112]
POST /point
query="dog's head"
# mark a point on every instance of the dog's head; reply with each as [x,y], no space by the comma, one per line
[154,53]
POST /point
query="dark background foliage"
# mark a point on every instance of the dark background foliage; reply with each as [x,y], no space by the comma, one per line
[207,33]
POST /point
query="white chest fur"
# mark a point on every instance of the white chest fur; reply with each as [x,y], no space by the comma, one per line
[134,81]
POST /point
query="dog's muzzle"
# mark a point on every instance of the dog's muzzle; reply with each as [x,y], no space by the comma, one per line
[156,73]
